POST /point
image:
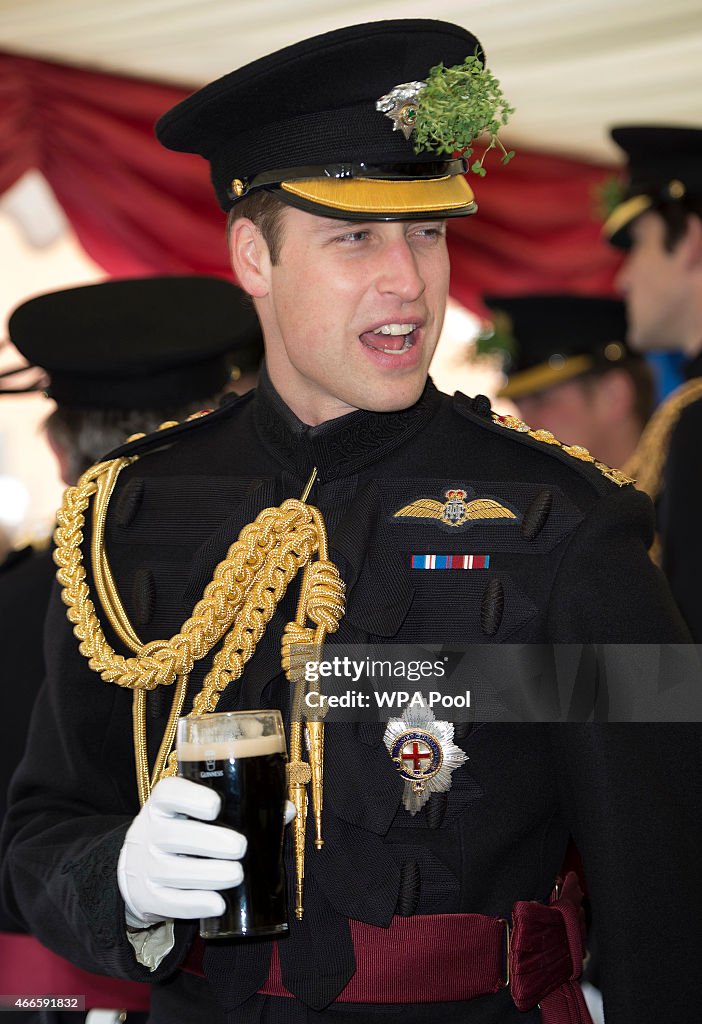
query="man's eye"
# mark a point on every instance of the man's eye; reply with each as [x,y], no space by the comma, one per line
[431,231]
[353,236]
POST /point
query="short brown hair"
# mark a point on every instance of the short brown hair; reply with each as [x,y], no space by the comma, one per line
[86,435]
[266,213]
[676,216]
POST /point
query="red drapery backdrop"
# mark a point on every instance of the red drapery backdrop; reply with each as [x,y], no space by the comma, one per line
[139,209]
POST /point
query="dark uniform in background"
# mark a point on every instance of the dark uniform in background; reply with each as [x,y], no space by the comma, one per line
[119,356]
[397,907]
[570,370]
[26,578]
[658,222]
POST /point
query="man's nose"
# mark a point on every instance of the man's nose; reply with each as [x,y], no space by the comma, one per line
[400,273]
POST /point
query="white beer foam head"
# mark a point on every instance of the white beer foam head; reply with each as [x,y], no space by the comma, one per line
[223,750]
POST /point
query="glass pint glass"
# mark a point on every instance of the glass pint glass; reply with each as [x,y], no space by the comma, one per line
[241,755]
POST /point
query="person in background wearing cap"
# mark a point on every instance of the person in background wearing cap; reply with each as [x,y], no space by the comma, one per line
[322,154]
[570,371]
[658,222]
[120,357]
[126,356]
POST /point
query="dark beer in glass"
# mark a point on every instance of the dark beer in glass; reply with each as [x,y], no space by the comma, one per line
[241,755]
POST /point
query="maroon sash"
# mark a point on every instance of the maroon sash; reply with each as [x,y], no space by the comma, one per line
[435,958]
[29,969]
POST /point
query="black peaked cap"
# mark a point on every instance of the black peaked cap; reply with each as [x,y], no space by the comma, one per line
[138,343]
[664,165]
[557,337]
[658,154]
[313,103]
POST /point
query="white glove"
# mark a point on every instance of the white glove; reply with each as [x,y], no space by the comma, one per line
[171,866]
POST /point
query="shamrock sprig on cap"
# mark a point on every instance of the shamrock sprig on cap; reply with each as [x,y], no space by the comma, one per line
[456,106]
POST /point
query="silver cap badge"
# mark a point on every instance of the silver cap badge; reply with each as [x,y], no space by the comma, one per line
[400,105]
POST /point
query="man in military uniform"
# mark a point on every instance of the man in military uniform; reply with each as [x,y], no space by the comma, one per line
[659,224]
[570,370]
[92,348]
[337,231]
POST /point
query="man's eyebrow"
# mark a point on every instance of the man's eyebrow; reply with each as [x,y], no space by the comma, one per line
[334,223]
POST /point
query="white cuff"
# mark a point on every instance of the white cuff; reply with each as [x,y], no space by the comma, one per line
[151,945]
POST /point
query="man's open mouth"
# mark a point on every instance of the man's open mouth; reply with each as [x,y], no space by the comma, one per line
[391,339]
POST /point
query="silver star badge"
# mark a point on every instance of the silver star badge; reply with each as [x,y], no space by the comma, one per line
[400,105]
[424,754]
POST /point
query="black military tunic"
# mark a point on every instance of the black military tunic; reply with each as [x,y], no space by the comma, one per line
[26,578]
[679,510]
[570,568]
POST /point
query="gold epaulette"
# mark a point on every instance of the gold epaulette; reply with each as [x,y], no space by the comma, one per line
[648,461]
[575,451]
[167,424]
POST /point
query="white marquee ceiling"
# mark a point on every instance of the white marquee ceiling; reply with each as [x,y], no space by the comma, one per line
[571,68]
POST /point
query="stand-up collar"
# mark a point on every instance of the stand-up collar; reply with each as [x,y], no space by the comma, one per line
[340,446]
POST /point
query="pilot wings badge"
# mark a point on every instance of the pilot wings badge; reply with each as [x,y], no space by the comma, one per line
[455,511]
[424,754]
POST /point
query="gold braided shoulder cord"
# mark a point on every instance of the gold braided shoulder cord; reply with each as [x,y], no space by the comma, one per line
[648,461]
[576,451]
[236,605]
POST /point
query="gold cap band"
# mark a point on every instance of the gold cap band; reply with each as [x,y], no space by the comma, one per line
[382,196]
[625,212]
[537,378]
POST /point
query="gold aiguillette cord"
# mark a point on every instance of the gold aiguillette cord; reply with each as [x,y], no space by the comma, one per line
[235,608]
[317,581]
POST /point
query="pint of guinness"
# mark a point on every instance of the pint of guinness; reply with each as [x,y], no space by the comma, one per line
[242,756]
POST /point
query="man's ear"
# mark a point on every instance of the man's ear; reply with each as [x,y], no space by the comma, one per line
[251,261]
